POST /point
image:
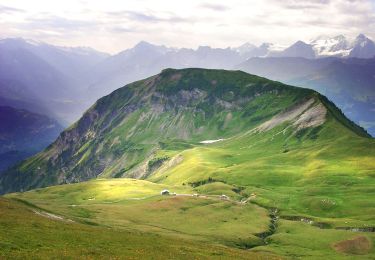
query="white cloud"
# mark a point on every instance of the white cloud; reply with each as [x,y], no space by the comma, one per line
[113,25]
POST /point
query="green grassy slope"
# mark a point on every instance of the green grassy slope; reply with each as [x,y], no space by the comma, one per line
[135,204]
[324,175]
[134,211]
[330,162]
[123,129]
[300,176]
[27,235]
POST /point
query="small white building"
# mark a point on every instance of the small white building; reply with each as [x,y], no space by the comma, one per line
[165,192]
[224,197]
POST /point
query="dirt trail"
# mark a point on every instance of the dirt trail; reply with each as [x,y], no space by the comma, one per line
[51,216]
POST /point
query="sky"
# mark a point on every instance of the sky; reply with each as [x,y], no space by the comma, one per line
[114,25]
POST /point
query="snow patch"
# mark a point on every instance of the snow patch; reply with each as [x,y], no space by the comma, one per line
[211,141]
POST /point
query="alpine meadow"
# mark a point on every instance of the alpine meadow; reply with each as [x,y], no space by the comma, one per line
[211,153]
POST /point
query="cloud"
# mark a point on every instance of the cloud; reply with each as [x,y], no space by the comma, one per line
[122,29]
[9,10]
[58,23]
[113,25]
[297,3]
[302,5]
[214,7]
[148,18]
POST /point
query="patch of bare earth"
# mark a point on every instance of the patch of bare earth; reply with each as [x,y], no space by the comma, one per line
[303,115]
[359,245]
[313,116]
[171,163]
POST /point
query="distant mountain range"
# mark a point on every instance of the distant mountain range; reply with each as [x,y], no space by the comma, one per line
[44,78]
[322,46]
[63,82]
[23,134]
[39,92]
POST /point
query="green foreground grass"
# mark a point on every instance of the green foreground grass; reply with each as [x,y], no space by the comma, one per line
[126,218]
[26,235]
[323,176]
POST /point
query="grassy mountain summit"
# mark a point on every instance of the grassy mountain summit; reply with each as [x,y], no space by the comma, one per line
[123,133]
[298,175]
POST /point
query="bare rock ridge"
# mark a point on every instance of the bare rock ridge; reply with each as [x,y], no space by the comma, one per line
[310,113]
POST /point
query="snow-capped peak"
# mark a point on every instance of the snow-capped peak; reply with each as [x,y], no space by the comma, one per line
[340,46]
[331,46]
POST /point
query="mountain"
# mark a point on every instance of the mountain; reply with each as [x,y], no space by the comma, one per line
[44,78]
[363,47]
[245,48]
[340,46]
[320,47]
[176,108]
[298,49]
[337,46]
[15,94]
[348,82]
[23,134]
[146,59]
[266,50]
[249,50]
[30,74]
[127,66]
[275,167]
[62,82]
[70,61]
